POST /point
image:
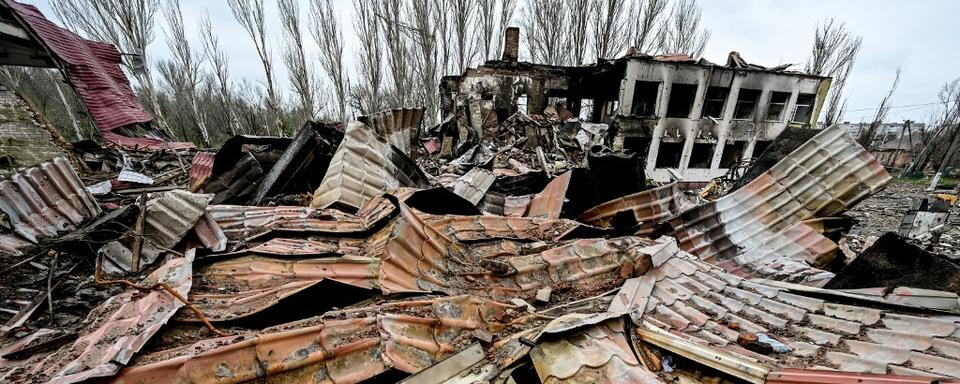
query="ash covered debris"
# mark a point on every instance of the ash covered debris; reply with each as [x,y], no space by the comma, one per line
[550,228]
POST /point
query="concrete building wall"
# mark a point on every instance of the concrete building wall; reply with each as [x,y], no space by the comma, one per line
[25,141]
[705,138]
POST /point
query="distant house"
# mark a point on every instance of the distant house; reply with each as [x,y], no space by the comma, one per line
[898,152]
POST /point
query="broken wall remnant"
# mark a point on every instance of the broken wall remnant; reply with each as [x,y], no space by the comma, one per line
[693,120]
[25,139]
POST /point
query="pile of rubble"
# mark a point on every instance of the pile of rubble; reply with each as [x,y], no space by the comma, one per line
[531,252]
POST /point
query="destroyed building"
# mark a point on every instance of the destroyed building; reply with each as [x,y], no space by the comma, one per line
[693,120]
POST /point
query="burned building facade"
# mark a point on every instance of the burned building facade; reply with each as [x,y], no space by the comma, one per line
[695,120]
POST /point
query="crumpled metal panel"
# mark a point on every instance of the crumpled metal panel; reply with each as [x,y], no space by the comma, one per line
[648,208]
[239,221]
[478,228]
[548,204]
[399,126]
[474,184]
[699,301]
[45,202]
[115,330]
[599,353]
[210,234]
[419,258]
[200,169]
[821,178]
[364,167]
[359,344]
[240,287]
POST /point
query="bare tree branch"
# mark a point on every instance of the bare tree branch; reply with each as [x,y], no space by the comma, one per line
[682,30]
[221,71]
[295,57]
[326,31]
[250,15]
[866,138]
[186,63]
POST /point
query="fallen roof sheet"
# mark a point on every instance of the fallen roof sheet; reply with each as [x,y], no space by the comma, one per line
[364,167]
[114,331]
[399,126]
[44,202]
[822,178]
[307,155]
[474,184]
[709,306]
[648,208]
[548,204]
[200,169]
[359,344]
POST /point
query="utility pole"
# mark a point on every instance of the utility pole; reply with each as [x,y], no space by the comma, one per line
[903,129]
[946,158]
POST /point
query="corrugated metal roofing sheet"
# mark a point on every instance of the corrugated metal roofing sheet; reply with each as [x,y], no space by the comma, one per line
[474,185]
[361,343]
[115,330]
[548,204]
[364,167]
[699,301]
[821,178]
[45,202]
[200,169]
[649,207]
[92,67]
[399,126]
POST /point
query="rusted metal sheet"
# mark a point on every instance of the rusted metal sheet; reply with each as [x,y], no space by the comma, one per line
[359,344]
[44,202]
[646,208]
[420,258]
[210,234]
[200,169]
[548,204]
[364,167]
[114,331]
[474,185]
[597,354]
[477,228]
[236,288]
[698,302]
[238,221]
[822,178]
[399,126]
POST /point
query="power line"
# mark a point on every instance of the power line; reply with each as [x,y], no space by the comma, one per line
[896,106]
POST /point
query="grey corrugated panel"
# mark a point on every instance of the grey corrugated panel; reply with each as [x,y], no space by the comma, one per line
[474,185]
[46,201]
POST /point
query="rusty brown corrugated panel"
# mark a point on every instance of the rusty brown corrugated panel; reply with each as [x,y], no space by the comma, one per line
[548,204]
[474,184]
[364,167]
[115,330]
[200,169]
[821,178]
[210,234]
[45,202]
[648,208]
[361,344]
[476,228]
[399,126]
[420,258]
[598,353]
[699,301]
[240,287]
[239,221]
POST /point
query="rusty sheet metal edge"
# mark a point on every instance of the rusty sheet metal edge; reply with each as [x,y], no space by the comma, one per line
[648,207]
[814,376]
[46,201]
[137,319]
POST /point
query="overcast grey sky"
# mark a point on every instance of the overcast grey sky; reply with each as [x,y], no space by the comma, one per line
[917,35]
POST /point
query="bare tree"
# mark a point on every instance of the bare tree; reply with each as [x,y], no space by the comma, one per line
[607,19]
[186,63]
[579,20]
[464,36]
[944,124]
[295,58]
[682,32]
[545,41]
[494,16]
[648,25]
[369,97]
[866,138]
[834,51]
[391,15]
[221,71]
[423,32]
[127,24]
[326,31]
[250,15]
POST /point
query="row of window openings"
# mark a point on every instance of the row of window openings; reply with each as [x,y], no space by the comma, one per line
[669,153]
[682,97]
